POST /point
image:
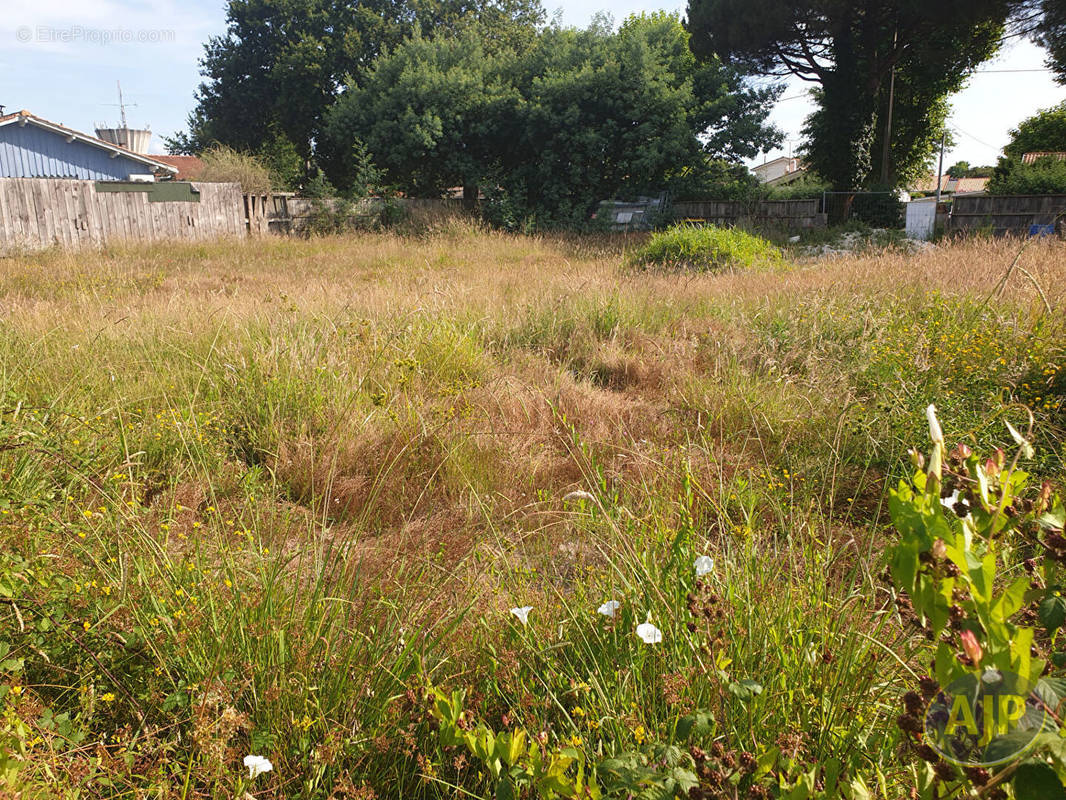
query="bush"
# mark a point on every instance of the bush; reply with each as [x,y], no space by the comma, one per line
[880,208]
[1044,176]
[807,187]
[223,164]
[284,162]
[705,248]
[717,180]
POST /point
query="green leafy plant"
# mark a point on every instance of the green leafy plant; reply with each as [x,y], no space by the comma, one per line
[705,249]
[1046,175]
[518,764]
[978,570]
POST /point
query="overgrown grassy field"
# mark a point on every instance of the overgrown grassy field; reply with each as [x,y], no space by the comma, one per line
[258,498]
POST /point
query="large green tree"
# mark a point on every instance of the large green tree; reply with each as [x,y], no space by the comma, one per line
[280,64]
[430,113]
[851,49]
[550,130]
[1051,33]
[1043,132]
[632,112]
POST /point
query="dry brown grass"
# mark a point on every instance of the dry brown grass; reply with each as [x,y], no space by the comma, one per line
[652,375]
[486,275]
[419,406]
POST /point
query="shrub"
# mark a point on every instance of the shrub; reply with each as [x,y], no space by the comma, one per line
[281,158]
[223,164]
[705,248]
[807,187]
[716,179]
[1044,176]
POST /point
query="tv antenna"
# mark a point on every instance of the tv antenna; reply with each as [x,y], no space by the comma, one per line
[121,105]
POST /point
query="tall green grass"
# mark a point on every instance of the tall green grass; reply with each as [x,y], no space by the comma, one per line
[705,248]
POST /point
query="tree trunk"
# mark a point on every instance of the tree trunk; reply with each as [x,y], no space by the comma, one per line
[842,151]
[470,195]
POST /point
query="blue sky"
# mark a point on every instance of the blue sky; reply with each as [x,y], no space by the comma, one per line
[62,60]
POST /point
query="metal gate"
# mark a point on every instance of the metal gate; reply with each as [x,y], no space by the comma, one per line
[877,209]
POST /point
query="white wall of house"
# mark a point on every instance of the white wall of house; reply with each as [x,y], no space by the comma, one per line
[778,168]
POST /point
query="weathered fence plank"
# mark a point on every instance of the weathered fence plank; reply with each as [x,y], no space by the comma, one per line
[778,213]
[1003,214]
[36,213]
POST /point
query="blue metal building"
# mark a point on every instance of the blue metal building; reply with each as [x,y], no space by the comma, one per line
[31,147]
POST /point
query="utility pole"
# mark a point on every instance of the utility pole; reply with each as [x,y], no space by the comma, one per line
[886,148]
[940,166]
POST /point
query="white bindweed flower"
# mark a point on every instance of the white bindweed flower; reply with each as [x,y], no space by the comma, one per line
[522,612]
[257,765]
[579,494]
[935,433]
[703,565]
[649,634]
[608,608]
[954,499]
[1027,449]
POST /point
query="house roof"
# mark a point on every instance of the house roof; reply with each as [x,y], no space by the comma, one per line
[788,177]
[970,185]
[26,118]
[949,184]
[1029,158]
[188,167]
[776,160]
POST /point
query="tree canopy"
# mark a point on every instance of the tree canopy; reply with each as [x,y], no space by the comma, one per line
[429,113]
[1051,34]
[550,130]
[1043,132]
[852,51]
[277,69]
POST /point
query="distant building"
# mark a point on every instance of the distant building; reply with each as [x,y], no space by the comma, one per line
[949,185]
[31,147]
[780,170]
[1029,158]
[188,167]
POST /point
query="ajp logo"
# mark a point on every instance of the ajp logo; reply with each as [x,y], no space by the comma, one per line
[985,720]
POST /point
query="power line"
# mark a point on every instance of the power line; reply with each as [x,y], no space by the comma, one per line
[957,129]
[805,95]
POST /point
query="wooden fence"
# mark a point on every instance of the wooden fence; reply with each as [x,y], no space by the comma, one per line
[285,213]
[1003,214]
[269,213]
[36,213]
[789,214]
